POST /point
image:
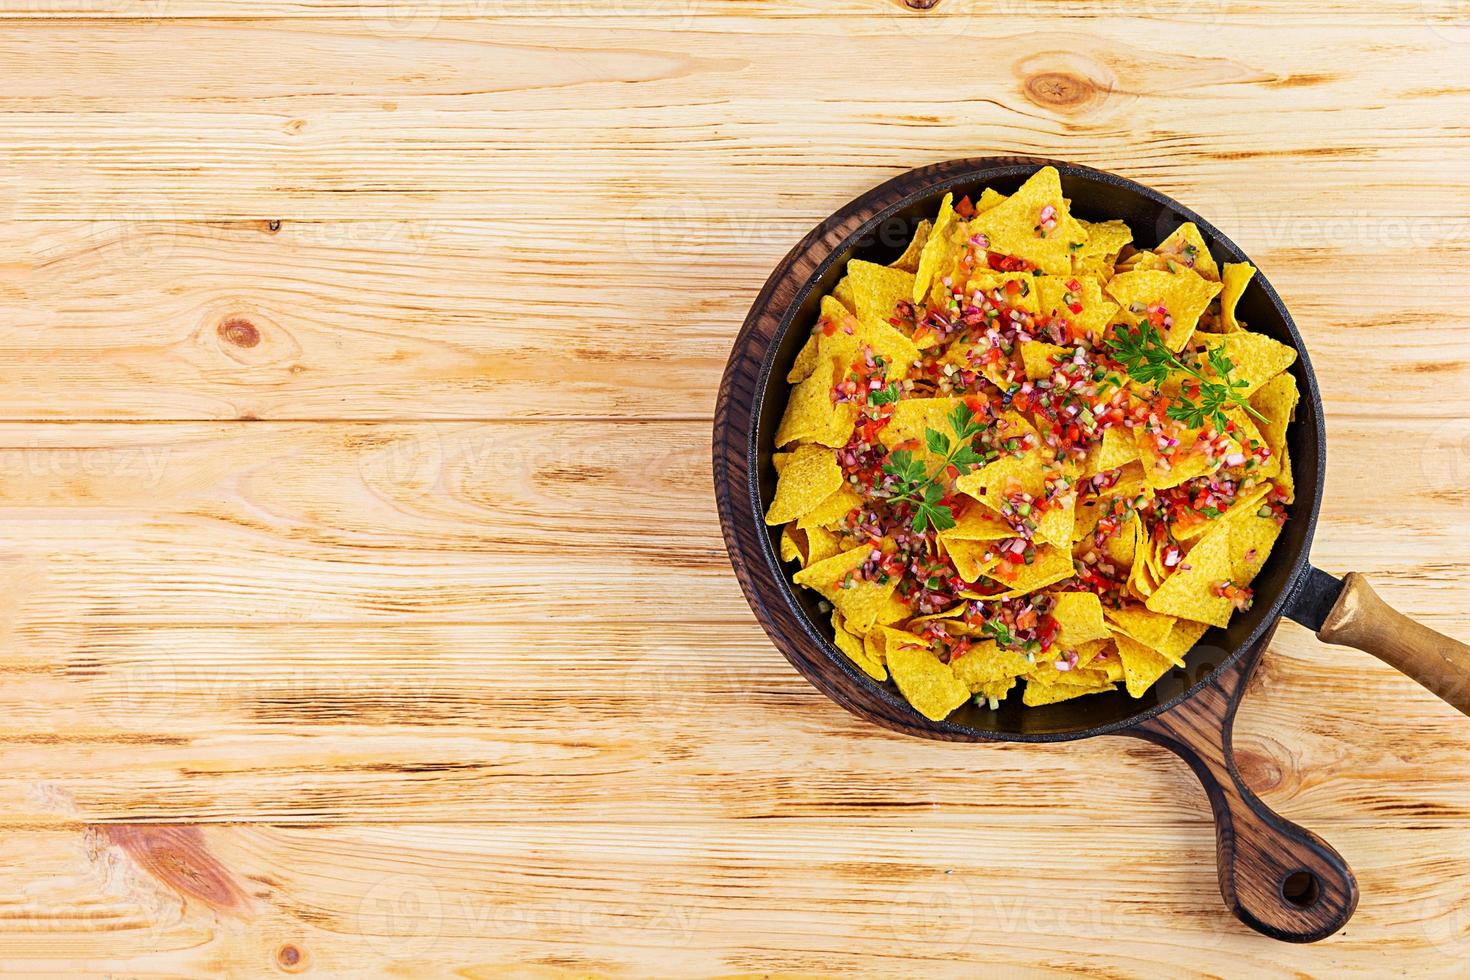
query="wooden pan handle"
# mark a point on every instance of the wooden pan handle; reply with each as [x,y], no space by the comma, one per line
[1360,619]
[1280,879]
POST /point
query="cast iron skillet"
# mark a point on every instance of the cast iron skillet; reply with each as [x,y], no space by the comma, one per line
[1276,877]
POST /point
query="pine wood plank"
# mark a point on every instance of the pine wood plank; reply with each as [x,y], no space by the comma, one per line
[502,118]
[921,895]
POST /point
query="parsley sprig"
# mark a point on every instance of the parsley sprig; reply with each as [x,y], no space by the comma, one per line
[922,488]
[1142,352]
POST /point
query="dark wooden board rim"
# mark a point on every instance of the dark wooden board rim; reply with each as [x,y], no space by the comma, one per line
[1255,846]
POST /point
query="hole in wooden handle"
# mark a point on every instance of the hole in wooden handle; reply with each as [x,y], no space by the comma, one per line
[1301,889]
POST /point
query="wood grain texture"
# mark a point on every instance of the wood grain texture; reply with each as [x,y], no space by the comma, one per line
[442,668]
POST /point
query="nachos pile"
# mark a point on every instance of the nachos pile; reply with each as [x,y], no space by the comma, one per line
[1029,457]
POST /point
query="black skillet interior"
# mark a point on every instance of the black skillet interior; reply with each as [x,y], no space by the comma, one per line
[1095,196]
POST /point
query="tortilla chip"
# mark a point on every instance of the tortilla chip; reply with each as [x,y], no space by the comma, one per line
[1235,278]
[1051,565]
[986,662]
[1185,295]
[831,511]
[1080,618]
[937,250]
[1103,238]
[807,358]
[812,415]
[852,647]
[1012,226]
[929,685]
[992,482]
[859,604]
[1187,463]
[1185,248]
[1037,693]
[1189,590]
[976,523]
[1247,502]
[1257,358]
[910,418]
[793,544]
[821,544]
[1181,640]
[989,198]
[808,478]
[1148,628]
[1097,310]
[1055,525]
[1251,540]
[1276,399]
[971,559]
[877,289]
[1142,666]
[1118,447]
[1286,480]
[842,293]
[1037,357]
[909,260]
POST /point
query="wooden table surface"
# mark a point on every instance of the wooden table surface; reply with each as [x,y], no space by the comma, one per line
[365,606]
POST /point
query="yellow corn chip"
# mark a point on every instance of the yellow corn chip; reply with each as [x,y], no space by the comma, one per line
[862,601]
[1037,357]
[1051,565]
[1080,618]
[971,559]
[812,415]
[1184,295]
[821,544]
[995,691]
[1189,590]
[976,524]
[1015,225]
[1104,238]
[807,358]
[1251,540]
[909,260]
[1148,628]
[988,199]
[910,418]
[1181,640]
[1118,448]
[1055,525]
[877,289]
[1142,666]
[793,544]
[937,251]
[852,647]
[1037,693]
[929,685]
[1247,502]
[993,481]
[1184,249]
[808,478]
[1276,399]
[842,292]
[1235,278]
[1057,297]
[985,662]
[1286,480]
[1257,358]
[831,511]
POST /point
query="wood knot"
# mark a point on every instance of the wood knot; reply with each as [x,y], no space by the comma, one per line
[1059,90]
[1068,83]
[290,958]
[921,4]
[239,331]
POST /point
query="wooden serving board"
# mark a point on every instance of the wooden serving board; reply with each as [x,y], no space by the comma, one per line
[366,609]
